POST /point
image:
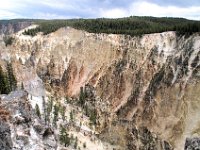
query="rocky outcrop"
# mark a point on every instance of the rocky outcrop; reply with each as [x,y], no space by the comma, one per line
[192,143]
[143,139]
[22,130]
[5,136]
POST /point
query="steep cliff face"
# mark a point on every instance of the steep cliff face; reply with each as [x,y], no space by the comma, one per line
[148,84]
[13,26]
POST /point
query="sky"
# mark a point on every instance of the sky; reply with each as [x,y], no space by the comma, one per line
[65,9]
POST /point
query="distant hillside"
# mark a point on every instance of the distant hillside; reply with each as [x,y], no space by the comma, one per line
[133,25]
[12,26]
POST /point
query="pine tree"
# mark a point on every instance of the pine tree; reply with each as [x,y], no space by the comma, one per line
[50,105]
[93,116]
[86,110]
[55,112]
[49,109]
[11,78]
[37,111]
[64,136]
[4,85]
[76,143]
[7,83]
[71,116]
[62,112]
[82,97]
[45,110]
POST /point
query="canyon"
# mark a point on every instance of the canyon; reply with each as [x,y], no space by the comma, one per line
[144,90]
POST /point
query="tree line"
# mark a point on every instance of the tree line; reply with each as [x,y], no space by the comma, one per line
[134,26]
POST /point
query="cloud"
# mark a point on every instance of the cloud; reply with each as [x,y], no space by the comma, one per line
[52,16]
[4,14]
[151,9]
[57,5]
[114,13]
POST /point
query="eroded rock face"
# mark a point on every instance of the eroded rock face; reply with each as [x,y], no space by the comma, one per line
[22,129]
[143,139]
[5,136]
[151,81]
[192,143]
[12,26]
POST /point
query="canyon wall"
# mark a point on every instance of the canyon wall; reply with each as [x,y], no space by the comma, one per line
[150,83]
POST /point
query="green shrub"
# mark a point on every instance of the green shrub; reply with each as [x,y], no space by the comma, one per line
[8,40]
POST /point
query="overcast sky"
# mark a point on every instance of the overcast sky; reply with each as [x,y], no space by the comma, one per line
[60,9]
